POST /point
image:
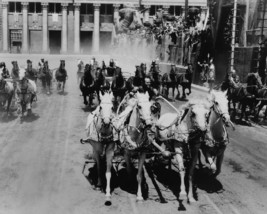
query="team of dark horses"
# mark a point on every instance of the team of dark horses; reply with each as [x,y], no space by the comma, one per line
[251,96]
[101,79]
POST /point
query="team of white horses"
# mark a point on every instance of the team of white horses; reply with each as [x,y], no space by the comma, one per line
[197,125]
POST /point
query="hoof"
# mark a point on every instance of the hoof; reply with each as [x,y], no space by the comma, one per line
[81,141]
[163,201]
[108,201]
[97,188]
[182,195]
[191,200]
[139,199]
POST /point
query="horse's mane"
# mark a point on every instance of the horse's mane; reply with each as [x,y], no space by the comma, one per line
[88,78]
[101,77]
[190,103]
[119,80]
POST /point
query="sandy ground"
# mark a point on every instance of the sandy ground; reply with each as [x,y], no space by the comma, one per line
[41,162]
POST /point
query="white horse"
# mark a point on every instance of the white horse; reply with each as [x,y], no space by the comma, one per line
[135,137]
[179,129]
[217,137]
[25,89]
[6,92]
[101,136]
[80,71]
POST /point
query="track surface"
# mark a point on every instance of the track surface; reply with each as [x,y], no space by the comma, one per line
[41,162]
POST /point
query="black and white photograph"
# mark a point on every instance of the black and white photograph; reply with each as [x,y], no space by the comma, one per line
[133,106]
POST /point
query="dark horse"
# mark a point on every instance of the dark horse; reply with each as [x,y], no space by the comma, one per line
[262,95]
[169,80]
[244,94]
[101,84]
[118,87]
[45,75]
[185,80]
[61,76]
[87,85]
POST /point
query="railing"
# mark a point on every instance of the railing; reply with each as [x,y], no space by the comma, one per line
[106,18]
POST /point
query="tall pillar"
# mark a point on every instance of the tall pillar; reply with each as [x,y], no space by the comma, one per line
[183,12]
[45,27]
[25,30]
[203,16]
[5,27]
[77,42]
[116,11]
[96,28]
[146,15]
[64,31]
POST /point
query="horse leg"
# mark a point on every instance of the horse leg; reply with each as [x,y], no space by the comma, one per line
[189,89]
[127,158]
[173,90]
[85,99]
[178,92]
[63,86]
[194,156]
[8,104]
[98,149]
[109,157]
[139,176]
[184,96]
[210,160]
[180,161]
[219,161]
[257,112]
[265,114]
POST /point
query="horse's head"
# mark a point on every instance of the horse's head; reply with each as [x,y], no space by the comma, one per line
[144,107]
[29,64]
[80,64]
[106,107]
[143,67]
[23,83]
[15,65]
[198,115]
[219,103]
[62,64]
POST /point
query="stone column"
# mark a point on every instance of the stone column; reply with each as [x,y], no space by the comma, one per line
[96,28]
[45,27]
[5,27]
[25,30]
[146,15]
[183,12]
[77,43]
[116,11]
[203,15]
[64,31]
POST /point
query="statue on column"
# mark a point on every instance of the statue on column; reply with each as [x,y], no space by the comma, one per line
[130,19]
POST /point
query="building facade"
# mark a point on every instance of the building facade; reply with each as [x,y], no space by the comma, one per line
[70,26]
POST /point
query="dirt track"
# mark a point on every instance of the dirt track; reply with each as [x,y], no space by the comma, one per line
[41,163]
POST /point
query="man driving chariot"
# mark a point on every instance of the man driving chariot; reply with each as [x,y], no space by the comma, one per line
[5,73]
[31,73]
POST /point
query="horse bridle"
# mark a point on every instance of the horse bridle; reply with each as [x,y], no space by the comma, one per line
[141,118]
[218,111]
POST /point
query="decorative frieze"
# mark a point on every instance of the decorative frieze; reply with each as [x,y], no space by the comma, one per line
[25,5]
[64,6]
[45,5]
[96,6]
[77,6]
